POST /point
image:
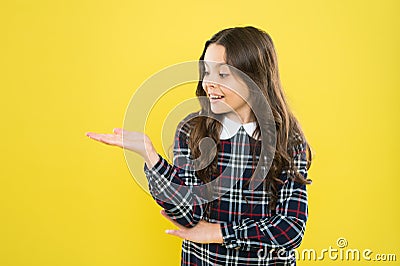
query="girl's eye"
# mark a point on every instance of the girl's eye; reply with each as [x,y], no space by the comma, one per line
[223,75]
[206,73]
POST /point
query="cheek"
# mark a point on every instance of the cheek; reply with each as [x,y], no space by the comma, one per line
[204,86]
[233,100]
[237,95]
[236,87]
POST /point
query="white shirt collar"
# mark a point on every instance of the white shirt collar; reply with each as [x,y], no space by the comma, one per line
[230,128]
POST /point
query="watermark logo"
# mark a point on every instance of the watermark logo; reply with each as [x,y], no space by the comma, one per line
[340,252]
[341,242]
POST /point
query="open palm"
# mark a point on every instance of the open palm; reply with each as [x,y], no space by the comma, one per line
[134,141]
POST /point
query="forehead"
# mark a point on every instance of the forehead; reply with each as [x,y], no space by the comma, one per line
[215,53]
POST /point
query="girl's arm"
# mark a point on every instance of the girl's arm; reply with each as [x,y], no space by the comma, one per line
[285,229]
[171,185]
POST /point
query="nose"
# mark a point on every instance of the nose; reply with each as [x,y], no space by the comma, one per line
[209,85]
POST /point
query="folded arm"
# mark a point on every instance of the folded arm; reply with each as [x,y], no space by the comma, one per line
[285,229]
[171,185]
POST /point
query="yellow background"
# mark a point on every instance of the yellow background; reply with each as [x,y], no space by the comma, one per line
[68,67]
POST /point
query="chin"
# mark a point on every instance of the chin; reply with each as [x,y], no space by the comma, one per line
[218,111]
[220,108]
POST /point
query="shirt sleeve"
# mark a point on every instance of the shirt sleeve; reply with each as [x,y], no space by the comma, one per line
[285,229]
[171,185]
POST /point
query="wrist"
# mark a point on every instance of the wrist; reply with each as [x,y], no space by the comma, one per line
[217,234]
[150,156]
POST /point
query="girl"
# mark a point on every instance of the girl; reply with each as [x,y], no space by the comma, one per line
[244,225]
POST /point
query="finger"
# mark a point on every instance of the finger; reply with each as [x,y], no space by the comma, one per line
[121,131]
[93,135]
[178,233]
[110,139]
[90,134]
[171,220]
[118,131]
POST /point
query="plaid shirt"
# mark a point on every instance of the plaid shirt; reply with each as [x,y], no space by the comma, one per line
[252,234]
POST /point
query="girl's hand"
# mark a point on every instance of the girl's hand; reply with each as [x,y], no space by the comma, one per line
[204,232]
[133,141]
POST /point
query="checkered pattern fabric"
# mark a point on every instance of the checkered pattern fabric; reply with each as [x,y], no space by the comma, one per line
[252,234]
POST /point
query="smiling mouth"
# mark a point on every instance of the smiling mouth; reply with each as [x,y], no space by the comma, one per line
[215,97]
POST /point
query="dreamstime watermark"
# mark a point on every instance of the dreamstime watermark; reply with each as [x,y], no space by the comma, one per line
[340,252]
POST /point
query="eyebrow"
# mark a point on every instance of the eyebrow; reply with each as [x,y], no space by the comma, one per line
[218,64]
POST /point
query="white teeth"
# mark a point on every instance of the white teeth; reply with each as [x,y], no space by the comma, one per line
[216,96]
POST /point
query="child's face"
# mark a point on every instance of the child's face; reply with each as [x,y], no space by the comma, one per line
[225,90]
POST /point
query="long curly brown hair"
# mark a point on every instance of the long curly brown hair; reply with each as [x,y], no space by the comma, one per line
[252,51]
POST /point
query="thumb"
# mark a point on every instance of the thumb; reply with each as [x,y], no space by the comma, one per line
[118,131]
[178,233]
